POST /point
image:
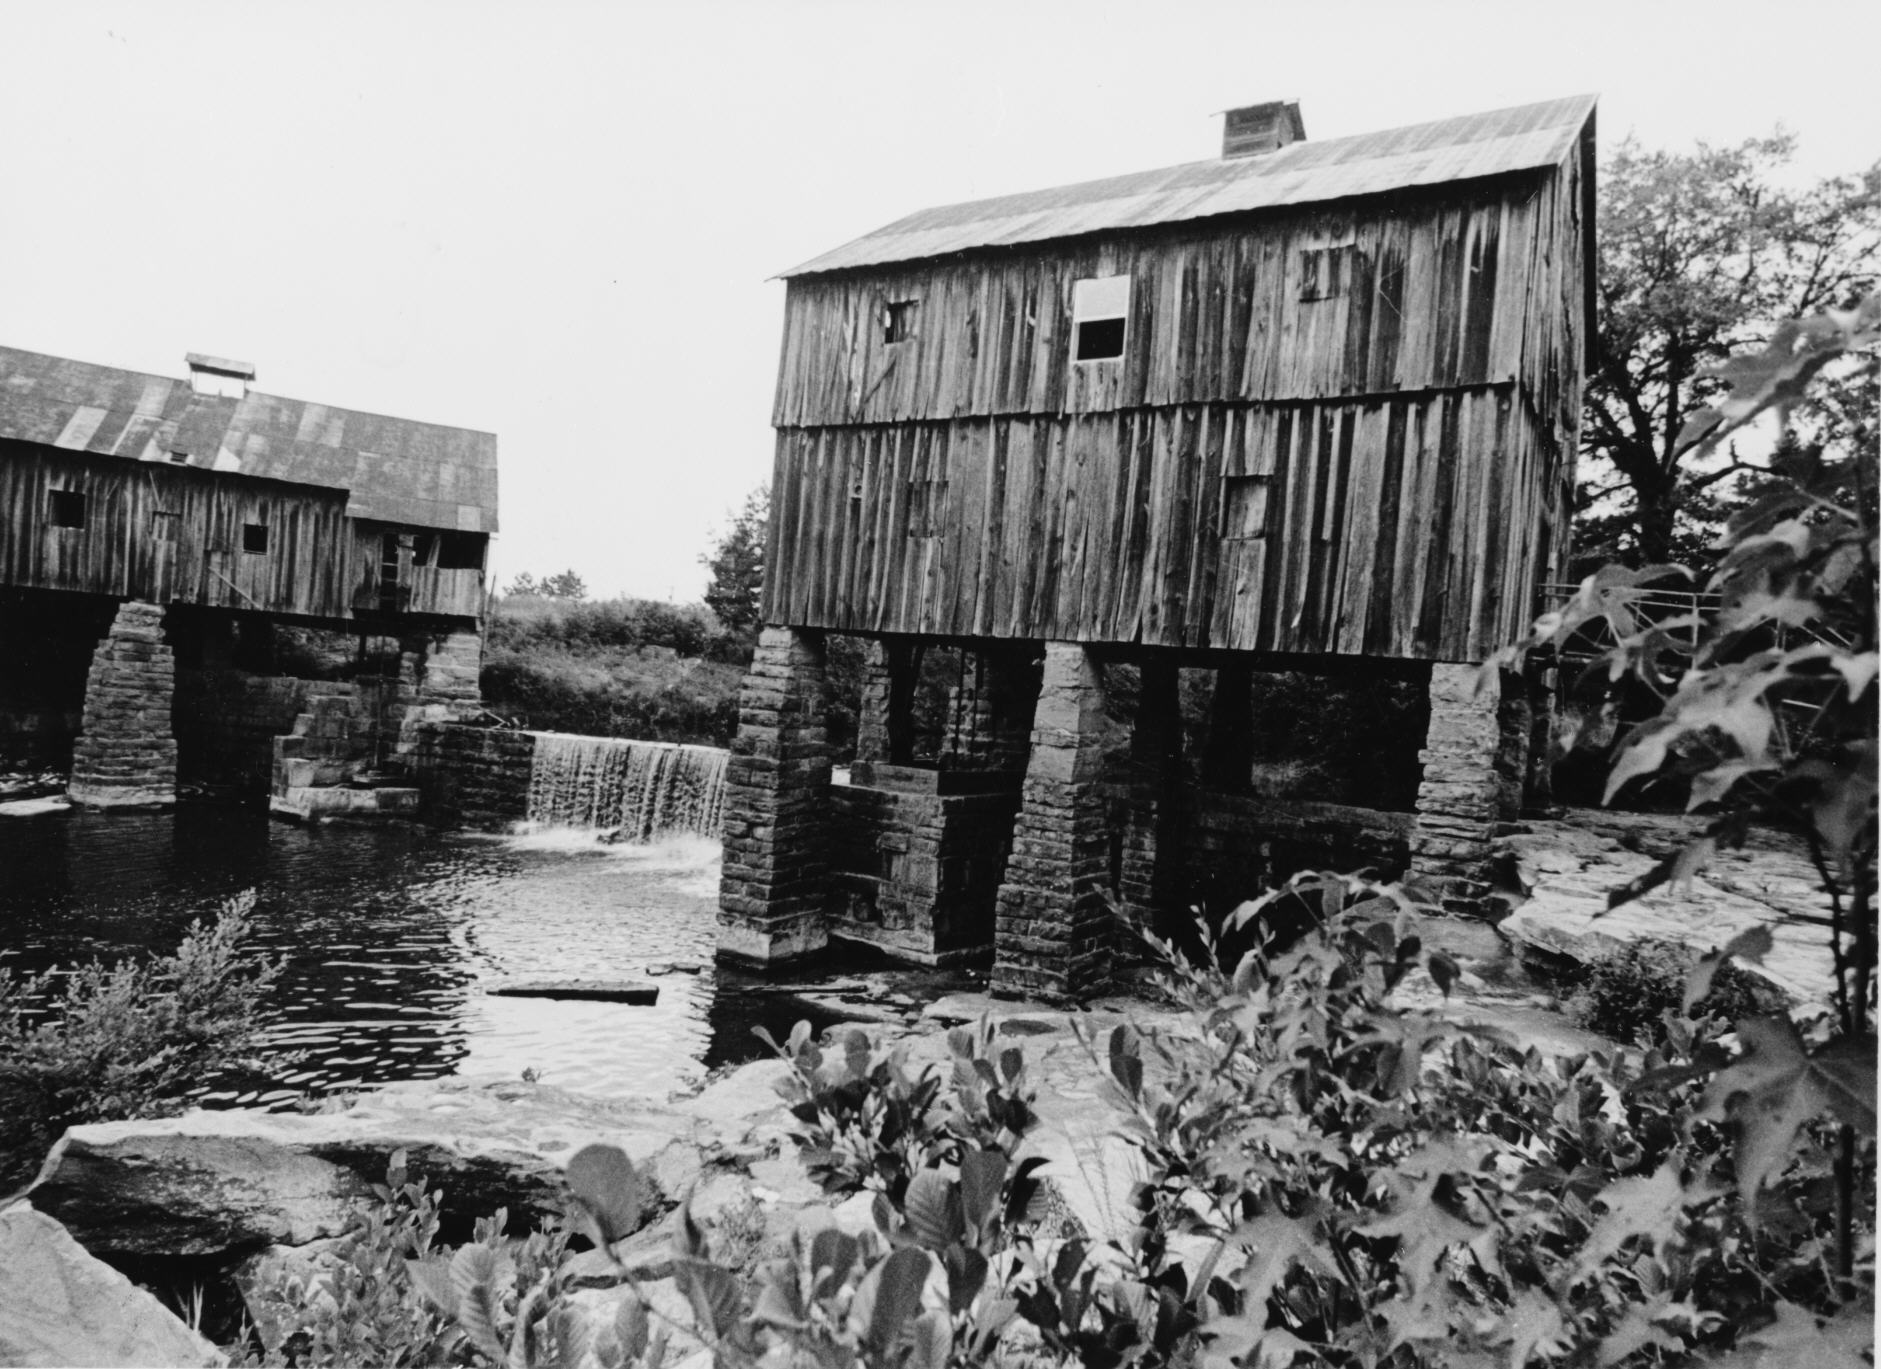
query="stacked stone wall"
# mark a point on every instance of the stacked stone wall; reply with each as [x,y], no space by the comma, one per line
[126,753]
[773,885]
[475,777]
[917,874]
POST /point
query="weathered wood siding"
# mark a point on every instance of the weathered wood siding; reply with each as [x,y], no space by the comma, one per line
[1383,472]
[175,535]
[1437,294]
[1400,526]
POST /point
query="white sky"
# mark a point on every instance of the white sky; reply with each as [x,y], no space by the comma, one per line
[556,221]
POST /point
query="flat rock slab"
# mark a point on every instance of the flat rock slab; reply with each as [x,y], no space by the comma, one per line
[216,1183]
[59,1305]
[32,808]
[587,990]
[1568,868]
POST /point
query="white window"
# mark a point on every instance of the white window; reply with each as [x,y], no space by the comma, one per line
[1099,309]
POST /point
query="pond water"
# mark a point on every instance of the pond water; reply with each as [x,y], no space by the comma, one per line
[393,934]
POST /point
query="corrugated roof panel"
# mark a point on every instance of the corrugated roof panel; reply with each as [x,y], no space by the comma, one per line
[389,467]
[1518,139]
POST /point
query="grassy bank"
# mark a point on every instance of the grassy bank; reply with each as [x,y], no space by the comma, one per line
[618,668]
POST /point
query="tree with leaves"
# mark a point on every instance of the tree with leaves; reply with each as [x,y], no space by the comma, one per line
[566,585]
[1701,253]
[737,564]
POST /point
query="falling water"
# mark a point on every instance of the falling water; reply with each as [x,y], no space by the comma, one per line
[639,789]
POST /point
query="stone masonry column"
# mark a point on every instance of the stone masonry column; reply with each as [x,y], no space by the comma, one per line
[126,752]
[1465,789]
[1051,938]
[772,889]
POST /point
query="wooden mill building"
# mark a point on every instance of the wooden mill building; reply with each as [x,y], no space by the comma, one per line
[142,510]
[1308,407]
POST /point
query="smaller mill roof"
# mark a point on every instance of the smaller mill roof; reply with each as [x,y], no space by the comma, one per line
[394,470]
[1522,138]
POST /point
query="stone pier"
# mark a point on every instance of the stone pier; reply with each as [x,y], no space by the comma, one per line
[126,752]
[772,889]
[1052,937]
[1474,757]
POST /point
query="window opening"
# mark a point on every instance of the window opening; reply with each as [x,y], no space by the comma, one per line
[68,509]
[163,524]
[1099,309]
[178,457]
[255,538]
[460,551]
[898,320]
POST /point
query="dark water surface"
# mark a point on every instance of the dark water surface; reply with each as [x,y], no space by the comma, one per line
[391,935]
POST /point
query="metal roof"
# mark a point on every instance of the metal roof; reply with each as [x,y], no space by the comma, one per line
[1518,139]
[392,469]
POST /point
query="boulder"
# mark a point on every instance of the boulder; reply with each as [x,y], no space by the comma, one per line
[59,1305]
[226,1183]
[1567,869]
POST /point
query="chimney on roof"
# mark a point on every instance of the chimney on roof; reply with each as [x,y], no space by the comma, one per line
[214,376]
[1254,129]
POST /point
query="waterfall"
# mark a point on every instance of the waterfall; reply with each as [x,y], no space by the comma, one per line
[643,789]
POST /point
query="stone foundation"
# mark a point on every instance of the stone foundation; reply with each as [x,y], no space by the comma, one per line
[475,777]
[126,754]
[1474,757]
[774,879]
[1054,925]
[914,870]
[226,725]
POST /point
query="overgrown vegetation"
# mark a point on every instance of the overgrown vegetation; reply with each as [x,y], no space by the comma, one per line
[615,668]
[103,1043]
[1626,995]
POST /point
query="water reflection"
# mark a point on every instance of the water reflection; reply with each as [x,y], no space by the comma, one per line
[390,935]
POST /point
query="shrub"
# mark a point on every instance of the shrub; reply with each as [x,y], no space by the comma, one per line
[1627,994]
[131,1040]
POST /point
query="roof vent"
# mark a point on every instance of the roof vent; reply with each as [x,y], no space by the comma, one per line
[215,376]
[1253,129]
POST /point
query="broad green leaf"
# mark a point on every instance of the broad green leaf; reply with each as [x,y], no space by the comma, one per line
[606,1184]
[1775,1087]
[932,1209]
[630,1325]
[833,1253]
[473,1280]
[712,1292]
[896,1285]
[571,1337]
[1752,944]
[432,1278]
[966,1275]
[1274,1243]
[1636,1207]
[981,1174]
[933,1342]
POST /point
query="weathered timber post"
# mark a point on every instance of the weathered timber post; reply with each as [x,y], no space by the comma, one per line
[1051,938]
[771,891]
[126,751]
[1474,757]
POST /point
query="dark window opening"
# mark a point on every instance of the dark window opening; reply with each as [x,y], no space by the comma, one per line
[898,320]
[1100,339]
[255,537]
[460,551]
[1244,515]
[163,525]
[68,509]
[1324,272]
[1100,308]
[424,549]
[178,458]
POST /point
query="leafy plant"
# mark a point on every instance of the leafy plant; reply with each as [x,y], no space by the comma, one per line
[1625,995]
[131,1040]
